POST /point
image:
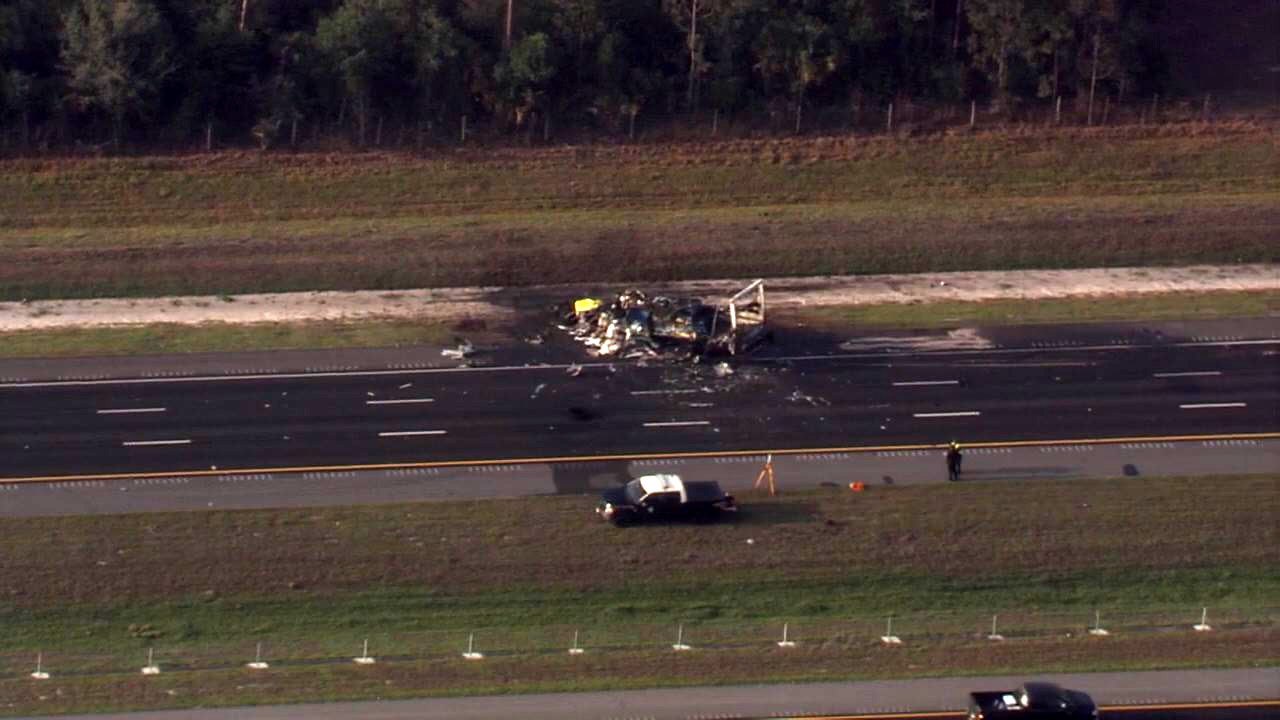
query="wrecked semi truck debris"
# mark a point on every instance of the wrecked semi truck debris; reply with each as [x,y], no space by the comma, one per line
[635,325]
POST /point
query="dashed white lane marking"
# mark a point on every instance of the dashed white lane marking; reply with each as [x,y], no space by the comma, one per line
[966,413]
[1198,373]
[405,401]
[1206,406]
[681,423]
[411,433]
[144,443]
[663,392]
[128,411]
[922,383]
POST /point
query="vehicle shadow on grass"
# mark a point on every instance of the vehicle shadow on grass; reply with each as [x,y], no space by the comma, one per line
[777,513]
[748,515]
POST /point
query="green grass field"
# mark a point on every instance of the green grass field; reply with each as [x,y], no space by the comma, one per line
[416,579]
[243,222]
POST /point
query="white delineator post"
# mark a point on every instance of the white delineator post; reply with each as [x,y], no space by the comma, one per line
[575,650]
[258,663]
[40,674]
[1203,626]
[680,646]
[471,653]
[1097,625]
[151,668]
[784,642]
[994,635]
[364,658]
[888,638]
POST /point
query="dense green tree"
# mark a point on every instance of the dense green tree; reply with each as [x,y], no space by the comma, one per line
[364,48]
[233,70]
[524,75]
[117,55]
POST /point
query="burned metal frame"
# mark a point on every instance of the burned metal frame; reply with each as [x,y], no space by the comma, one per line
[637,326]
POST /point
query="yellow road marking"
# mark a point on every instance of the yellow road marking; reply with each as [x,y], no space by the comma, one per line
[1193,706]
[640,456]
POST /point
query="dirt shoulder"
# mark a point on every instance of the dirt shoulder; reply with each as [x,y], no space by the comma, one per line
[498,304]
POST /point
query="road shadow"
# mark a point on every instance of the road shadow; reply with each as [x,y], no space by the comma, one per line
[589,477]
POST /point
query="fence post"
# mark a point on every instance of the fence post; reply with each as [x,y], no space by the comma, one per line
[1097,625]
[40,673]
[680,645]
[973,113]
[715,122]
[151,668]
[1057,111]
[464,130]
[364,658]
[785,642]
[258,663]
[471,653]
[1203,625]
[889,122]
[888,638]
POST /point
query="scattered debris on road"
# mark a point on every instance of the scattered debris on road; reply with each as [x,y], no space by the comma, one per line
[464,350]
[635,326]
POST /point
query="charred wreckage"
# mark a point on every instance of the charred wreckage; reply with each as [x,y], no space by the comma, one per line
[637,326]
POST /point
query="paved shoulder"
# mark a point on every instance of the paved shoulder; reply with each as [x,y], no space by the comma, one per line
[748,701]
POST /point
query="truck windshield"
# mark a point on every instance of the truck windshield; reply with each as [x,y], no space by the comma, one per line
[634,491]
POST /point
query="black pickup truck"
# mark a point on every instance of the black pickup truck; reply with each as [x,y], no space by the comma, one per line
[664,497]
[1032,701]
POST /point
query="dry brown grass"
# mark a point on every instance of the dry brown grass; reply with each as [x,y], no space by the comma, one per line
[240,222]
[94,592]
[491,546]
[450,675]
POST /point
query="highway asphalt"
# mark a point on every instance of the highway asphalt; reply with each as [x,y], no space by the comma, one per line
[886,392]
[1223,694]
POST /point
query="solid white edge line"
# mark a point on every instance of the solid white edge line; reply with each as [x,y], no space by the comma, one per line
[429,371]
[129,411]
[966,413]
[406,401]
[409,433]
[680,423]
[1205,406]
[914,383]
[1198,373]
[663,392]
[142,443]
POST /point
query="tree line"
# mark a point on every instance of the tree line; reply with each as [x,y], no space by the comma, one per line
[182,71]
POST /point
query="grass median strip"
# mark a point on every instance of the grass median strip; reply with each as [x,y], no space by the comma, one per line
[523,575]
[219,337]
[804,206]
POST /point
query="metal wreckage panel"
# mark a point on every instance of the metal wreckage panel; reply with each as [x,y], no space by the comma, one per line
[635,325]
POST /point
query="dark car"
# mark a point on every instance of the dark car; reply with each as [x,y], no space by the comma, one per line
[664,496]
[1032,701]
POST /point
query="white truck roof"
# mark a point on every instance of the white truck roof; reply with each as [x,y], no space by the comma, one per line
[663,483]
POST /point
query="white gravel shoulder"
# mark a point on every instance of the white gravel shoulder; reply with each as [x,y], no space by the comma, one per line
[495,302]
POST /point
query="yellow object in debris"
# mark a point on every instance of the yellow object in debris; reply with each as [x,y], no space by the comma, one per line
[583,305]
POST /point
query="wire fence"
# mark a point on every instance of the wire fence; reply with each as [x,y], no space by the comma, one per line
[781,118]
[704,635]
